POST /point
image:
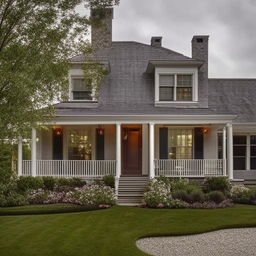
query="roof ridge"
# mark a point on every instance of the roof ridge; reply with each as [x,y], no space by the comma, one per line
[161,47]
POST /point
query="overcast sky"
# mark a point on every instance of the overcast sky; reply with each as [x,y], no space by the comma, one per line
[231,25]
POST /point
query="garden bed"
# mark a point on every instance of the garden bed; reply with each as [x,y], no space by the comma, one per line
[75,192]
[215,192]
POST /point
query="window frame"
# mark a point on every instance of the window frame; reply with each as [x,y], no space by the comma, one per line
[176,146]
[71,96]
[176,71]
[69,130]
[248,145]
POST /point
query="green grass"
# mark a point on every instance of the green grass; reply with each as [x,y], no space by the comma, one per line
[42,209]
[111,232]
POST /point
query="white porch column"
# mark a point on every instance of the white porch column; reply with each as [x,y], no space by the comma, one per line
[19,156]
[151,150]
[118,150]
[224,151]
[230,151]
[33,152]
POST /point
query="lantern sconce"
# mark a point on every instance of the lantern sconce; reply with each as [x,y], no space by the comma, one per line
[205,130]
[57,131]
[100,131]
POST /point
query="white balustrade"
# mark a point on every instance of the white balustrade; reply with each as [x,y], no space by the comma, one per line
[71,168]
[189,167]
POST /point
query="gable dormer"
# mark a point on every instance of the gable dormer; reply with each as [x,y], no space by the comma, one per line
[182,82]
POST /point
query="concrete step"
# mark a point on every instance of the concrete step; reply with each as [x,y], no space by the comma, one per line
[131,189]
[129,201]
[140,189]
[130,195]
[250,182]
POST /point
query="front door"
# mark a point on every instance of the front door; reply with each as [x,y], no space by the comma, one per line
[131,150]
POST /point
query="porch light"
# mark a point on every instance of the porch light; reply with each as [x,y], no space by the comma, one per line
[57,131]
[100,131]
[205,130]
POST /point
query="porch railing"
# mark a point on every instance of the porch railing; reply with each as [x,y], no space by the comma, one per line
[71,168]
[190,167]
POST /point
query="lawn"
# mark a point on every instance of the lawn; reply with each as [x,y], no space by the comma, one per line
[110,232]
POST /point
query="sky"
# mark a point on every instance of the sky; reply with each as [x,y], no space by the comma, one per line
[231,25]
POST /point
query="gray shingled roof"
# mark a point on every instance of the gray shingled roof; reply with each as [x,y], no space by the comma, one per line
[235,96]
[128,90]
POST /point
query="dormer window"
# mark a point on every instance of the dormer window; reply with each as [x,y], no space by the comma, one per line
[176,85]
[80,89]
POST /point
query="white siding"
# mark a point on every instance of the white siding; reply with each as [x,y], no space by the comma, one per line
[211,142]
[46,144]
[110,142]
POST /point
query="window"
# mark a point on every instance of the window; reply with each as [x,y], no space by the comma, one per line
[244,151]
[239,152]
[175,85]
[79,145]
[180,143]
[184,88]
[166,87]
[80,90]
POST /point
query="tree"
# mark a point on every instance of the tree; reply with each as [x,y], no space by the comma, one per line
[37,38]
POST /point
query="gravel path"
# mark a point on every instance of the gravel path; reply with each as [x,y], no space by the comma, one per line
[235,242]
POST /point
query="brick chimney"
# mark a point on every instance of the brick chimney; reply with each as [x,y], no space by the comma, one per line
[200,51]
[101,34]
[156,41]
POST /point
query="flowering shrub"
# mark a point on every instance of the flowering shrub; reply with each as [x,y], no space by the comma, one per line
[92,196]
[163,192]
[158,194]
[55,197]
[238,191]
[212,205]
[177,204]
[38,196]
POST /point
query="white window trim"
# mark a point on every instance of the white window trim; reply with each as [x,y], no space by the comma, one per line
[175,71]
[72,76]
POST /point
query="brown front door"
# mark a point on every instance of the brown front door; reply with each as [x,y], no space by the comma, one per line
[131,150]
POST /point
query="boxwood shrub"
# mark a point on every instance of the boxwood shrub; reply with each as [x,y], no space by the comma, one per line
[217,184]
[216,196]
[25,183]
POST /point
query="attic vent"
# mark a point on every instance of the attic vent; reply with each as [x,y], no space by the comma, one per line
[199,40]
[156,41]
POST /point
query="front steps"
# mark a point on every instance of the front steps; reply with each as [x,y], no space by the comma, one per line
[131,189]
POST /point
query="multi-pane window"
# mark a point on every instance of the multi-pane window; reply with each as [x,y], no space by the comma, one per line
[80,89]
[79,145]
[180,143]
[166,87]
[184,88]
[244,151]
[175,87]
[239,152]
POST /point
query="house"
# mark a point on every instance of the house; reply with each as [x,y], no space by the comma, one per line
[157,113]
